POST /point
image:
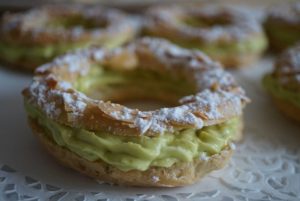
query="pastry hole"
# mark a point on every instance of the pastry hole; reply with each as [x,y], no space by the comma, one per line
[203,20]
[139,89]
[76,21]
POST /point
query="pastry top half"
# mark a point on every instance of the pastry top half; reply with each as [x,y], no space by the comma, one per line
[205,25]
[287,68]
[231,36]
[52,24]
[77,89]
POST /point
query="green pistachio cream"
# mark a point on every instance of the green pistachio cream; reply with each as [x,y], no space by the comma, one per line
[136,153]
[38,53]
[254,45]
[273,86]
[43,53]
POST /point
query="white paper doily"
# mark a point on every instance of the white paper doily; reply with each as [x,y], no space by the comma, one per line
[265,166]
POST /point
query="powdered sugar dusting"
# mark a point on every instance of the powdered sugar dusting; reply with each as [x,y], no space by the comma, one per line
[160,119]
[203,157]
[48,99]
[155,179]
[174,57]
[240,25]
[166,52]
[288,67]
[98,54]
[39,96]
[288,12]
[73,104]
[65,85]
[142,124]
[214,78]
[34,24]
[232,146]
[169,116]
[77,63]
[125,114]
[209,103]
[217,95]
[180,114]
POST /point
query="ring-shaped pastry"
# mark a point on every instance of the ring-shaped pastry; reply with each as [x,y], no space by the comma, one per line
[70,109]
[32,38]
[228,35]
[282,26]
[284,83]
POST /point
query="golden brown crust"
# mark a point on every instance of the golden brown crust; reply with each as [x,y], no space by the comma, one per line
[233,27]
[218,96]
[177,175]
[289,109]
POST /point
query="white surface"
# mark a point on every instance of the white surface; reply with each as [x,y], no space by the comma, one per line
[265,166]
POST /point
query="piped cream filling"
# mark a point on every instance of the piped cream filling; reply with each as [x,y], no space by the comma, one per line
[43,53]
[139,153]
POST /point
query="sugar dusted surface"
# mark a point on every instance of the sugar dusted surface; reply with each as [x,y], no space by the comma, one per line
[232,146]
[34,24]
[218,97]
[287,12]
[203,157]
[288,66]
[155,179]
[241,25]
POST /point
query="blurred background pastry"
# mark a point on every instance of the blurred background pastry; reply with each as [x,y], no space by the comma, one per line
[283,82]
[29,39]
[282,25]
[230,36]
